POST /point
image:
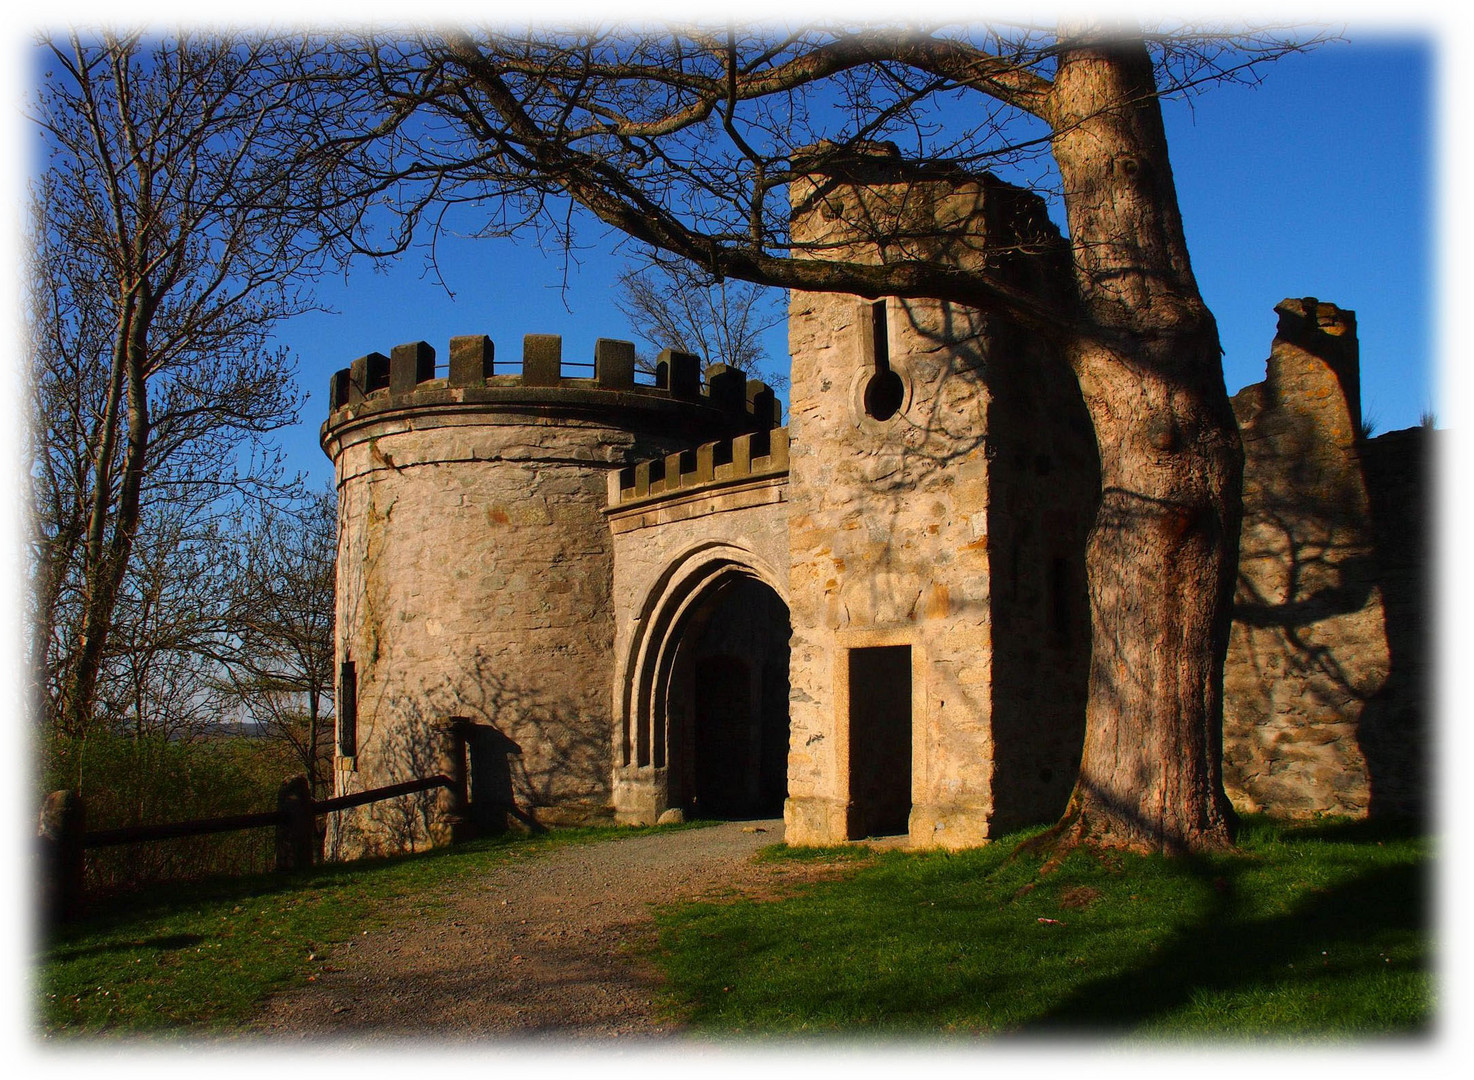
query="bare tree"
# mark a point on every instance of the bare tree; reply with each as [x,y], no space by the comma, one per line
[166,605]
[174,229]
[156,678]
[688,142]
[278,648]
[675,305]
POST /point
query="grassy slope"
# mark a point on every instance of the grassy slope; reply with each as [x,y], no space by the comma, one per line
[1304,932]
[204,956]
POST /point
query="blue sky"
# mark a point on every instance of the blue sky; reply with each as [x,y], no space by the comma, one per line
[1318,182]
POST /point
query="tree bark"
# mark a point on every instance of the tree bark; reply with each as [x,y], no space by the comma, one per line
[1163,551]
[108,562]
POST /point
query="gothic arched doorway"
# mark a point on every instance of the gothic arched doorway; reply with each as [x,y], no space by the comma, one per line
[727,704]
[704,704]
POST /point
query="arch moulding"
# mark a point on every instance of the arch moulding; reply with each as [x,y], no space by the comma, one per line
[647,658]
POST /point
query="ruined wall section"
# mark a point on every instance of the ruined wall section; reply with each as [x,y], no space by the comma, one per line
[475,568]
[1401,485]
[891,511]
[1308,654]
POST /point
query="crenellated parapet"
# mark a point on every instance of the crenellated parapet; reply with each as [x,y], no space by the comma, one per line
[757,455]
[409,381]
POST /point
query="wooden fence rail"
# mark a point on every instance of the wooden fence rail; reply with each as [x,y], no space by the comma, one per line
[362,798]
[63,837]
[138,834]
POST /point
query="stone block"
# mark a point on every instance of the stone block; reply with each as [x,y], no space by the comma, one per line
[673,470]
[367,374]
[680,373]
[726,387]
[705,467]
[778,450]
[738,454]
[471,360]
[813,821]
[339,389]
[614,364]
[410,365]
[542,359]
[763,405]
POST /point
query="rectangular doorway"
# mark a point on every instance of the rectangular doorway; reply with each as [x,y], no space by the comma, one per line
[880,741]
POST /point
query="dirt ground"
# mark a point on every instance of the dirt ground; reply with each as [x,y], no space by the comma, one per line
[539,948]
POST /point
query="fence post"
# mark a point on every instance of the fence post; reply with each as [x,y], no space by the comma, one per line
[456,815]
[63,821]
[295,835]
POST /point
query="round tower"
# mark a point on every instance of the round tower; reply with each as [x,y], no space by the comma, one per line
[475,568]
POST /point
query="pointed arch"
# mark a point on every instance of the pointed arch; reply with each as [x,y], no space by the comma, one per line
[671,615]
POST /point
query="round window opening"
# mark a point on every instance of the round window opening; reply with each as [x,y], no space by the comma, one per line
[884,394]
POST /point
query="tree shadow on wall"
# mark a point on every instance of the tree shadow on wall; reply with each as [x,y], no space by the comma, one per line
[1308,607]
[1002,406]
[1045,492]
[550,752]
[534,756]
[410,750]
[1322,579]
[1400,485]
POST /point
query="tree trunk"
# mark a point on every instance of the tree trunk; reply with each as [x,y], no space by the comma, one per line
[311,755]
[108,563]
[1162,555]
[80,685]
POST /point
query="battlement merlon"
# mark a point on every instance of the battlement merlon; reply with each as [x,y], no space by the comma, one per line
[378,387]
[758,455]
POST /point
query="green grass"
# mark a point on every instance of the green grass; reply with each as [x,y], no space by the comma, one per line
[202,957]
[1309,932]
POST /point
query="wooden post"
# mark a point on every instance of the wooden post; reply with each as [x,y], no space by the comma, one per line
[295,836]
[456,809]
[63,821]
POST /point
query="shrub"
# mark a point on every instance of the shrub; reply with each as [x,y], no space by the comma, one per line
[152,780]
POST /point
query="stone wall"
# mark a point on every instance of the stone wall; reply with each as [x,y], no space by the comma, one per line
[1396,737]
[925,527]
[679,542]
[1308,656]
[475,573]
[584,565]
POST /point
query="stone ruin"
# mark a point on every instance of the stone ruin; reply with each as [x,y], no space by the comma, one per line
[651,595]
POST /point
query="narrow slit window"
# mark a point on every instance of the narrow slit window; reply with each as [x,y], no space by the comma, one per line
[347,709]
[884,393]
[880,335]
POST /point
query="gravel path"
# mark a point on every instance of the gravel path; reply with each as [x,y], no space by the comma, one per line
[537,948]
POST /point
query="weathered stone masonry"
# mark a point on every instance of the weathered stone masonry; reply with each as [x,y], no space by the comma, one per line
[652,597]
[475,565]
[688,544]
[935,536]
[1314,721]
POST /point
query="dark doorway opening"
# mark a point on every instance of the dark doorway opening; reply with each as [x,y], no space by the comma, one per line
[880,741]
[728,705]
